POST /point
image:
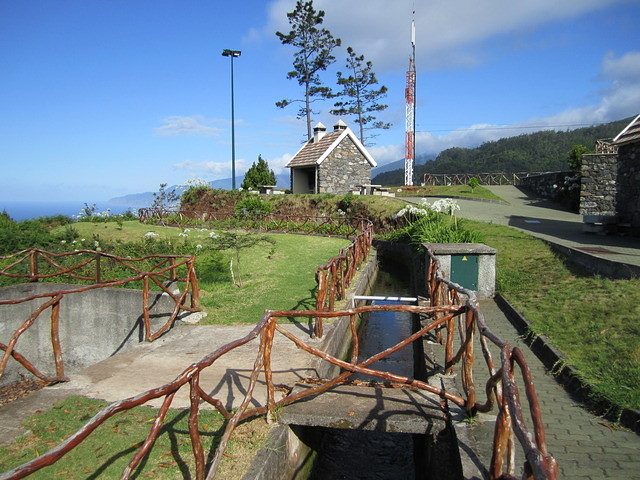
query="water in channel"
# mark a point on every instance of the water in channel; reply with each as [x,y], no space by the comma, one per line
[357,454]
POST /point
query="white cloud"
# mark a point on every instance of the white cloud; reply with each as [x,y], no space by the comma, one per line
[620,99]
[210,170]
[277,164]
[447,32]
[191,125]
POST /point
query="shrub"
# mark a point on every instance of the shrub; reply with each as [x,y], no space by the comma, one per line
[212,267]
[253,205]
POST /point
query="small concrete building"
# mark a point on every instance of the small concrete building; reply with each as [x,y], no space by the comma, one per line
[334,162]
[610,190]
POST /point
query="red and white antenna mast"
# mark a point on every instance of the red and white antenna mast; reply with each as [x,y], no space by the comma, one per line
[410,95]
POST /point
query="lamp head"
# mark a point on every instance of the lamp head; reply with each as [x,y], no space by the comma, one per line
[231,53]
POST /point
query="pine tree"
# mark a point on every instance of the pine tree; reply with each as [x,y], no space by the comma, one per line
[360,95]
[314,45]
[258,174]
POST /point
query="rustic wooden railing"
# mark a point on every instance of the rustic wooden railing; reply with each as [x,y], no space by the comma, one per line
[335,277]
[432,179]
[446,307]
[501,388]
[88,265]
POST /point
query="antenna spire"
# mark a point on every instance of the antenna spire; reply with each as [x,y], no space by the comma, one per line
[410,97]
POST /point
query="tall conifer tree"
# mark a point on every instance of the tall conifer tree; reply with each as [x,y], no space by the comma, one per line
[314,45]
[258,174]
[360,94]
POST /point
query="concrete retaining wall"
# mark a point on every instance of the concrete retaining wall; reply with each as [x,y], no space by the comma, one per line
[94,325]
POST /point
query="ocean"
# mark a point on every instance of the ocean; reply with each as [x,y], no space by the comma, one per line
[27,210]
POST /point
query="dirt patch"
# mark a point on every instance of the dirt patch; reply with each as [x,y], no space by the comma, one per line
[14,391]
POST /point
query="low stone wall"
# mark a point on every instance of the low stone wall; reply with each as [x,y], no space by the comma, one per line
[93,325]
[561,187]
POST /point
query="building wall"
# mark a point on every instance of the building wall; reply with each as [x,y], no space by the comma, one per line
[343,169]
[598,190]
[628,177]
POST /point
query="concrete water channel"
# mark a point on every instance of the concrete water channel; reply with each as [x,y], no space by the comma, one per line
[377,433]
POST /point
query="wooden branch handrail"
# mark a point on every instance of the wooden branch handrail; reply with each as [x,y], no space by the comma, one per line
[449,302]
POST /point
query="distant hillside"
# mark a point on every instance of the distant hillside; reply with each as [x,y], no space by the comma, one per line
[543,151]
[145,199]
[398,164]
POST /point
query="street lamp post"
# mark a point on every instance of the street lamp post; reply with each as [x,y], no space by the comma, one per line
[231,54]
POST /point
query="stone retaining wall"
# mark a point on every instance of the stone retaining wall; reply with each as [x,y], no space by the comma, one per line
[561,187]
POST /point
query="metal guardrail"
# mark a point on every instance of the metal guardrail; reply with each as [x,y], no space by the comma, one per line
[446,306]
[432,179]
[87,265]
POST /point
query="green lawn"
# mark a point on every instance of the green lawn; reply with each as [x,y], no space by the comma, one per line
[593,321]
[284,280]
[275,277]
[105,453]
[446,191]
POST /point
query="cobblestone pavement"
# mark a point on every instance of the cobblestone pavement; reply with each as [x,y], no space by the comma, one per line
[585,446]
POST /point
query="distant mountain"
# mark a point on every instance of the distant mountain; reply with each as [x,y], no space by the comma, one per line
[145,199]
[543,151]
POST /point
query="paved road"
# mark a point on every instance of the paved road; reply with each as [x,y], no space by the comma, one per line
[549,221]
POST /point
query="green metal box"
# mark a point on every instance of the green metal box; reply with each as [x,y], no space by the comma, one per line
[464,271]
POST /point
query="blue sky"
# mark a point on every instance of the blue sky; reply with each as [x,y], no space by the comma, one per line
[102,98]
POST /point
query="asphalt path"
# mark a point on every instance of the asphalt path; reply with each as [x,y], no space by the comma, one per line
[547,220]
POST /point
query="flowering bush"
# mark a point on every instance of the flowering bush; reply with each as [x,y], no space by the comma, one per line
[432,223]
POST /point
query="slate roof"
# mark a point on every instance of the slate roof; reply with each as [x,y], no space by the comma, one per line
[630,134]
[313,153]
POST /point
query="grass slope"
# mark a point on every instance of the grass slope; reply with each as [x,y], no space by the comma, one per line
[278,277]
[592,320]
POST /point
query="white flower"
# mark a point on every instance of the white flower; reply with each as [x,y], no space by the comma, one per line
[198,246]
[151,235]
[213,235]
[445,205]
[63,241]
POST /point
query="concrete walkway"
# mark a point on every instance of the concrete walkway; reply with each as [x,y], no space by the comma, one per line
[585,446]
[151,365]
